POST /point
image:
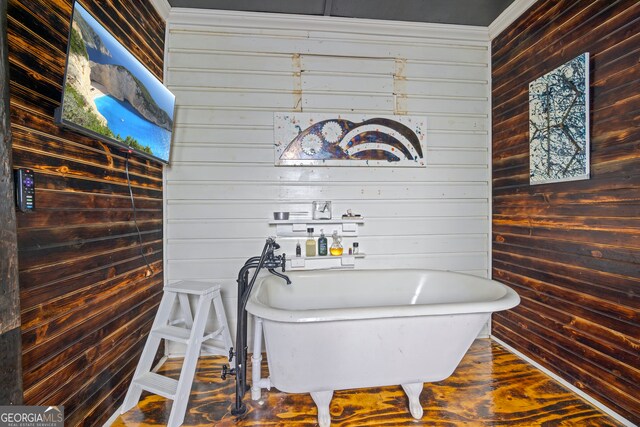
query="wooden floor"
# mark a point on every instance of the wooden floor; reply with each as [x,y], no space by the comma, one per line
[490,387]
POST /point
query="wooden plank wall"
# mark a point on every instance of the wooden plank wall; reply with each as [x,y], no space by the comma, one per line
[572,250]
[87,296]
[222,185]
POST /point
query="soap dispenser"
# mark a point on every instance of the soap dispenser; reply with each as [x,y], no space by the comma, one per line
[336,246]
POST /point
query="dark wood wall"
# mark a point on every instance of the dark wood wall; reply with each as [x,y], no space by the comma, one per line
[572,250]
[87,296]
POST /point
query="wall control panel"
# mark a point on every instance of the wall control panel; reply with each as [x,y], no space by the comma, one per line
[25,190]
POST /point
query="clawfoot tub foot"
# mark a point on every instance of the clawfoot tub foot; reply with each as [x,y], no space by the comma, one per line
[413,393]
[322,400]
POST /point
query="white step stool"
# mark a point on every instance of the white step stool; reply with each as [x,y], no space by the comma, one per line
[192,334]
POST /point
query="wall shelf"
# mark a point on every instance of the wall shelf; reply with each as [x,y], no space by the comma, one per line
[323,262]
[346,227]
[298,227]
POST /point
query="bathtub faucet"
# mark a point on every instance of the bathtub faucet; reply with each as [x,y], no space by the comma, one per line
[274,261]
[267,260]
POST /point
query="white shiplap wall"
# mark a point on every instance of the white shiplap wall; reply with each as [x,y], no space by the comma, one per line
[231,71]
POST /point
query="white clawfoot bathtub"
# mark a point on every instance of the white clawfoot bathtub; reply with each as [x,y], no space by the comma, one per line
[334,330]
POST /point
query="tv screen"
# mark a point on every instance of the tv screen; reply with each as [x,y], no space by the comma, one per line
[108,94]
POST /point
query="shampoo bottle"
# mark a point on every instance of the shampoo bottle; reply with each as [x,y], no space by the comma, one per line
[310,246]
[322,244]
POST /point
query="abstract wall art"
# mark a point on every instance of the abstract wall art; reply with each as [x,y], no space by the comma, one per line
[349,140]
[559,123]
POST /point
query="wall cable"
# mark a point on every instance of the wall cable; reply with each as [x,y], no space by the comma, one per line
[135,218]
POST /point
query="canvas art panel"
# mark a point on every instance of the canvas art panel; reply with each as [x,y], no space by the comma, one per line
[349,140]
[559,123]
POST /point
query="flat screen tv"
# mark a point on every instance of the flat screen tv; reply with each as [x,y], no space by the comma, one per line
[109,95]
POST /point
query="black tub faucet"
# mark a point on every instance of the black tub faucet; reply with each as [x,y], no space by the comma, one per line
[269,260]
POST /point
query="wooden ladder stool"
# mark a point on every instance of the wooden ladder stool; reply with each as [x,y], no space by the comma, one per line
[190,332]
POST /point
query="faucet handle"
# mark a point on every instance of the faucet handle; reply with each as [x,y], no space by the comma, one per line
[226,371]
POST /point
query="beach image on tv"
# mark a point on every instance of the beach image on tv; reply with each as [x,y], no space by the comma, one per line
[111,93]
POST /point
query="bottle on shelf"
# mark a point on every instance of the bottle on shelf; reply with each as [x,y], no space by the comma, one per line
[310,247]
[322,244]
[298,250]
[356,248]
[336,246]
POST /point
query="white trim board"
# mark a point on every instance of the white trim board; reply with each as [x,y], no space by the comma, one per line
[308,23]
[566,384]
[186,15]
[162,7]
[508,16]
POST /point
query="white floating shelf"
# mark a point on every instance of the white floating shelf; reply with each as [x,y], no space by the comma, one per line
[322,262]
[298,227]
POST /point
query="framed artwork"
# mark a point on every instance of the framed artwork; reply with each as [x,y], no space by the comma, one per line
[559,123]
[349,140]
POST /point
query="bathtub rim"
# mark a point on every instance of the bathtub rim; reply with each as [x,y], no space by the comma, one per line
[508,300]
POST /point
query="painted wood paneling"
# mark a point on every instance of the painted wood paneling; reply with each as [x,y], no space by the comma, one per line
[572,250]
[87,297]
[232,71]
